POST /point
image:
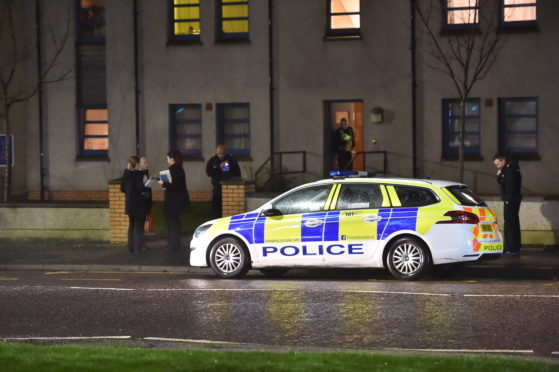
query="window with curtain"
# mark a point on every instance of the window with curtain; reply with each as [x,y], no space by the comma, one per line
[91,21]
[451,127]
[95,132]
[186,129]
[518,13]
[184,20]
[518,126]
[461,14]
[344,18]
[232,20]
[233,127]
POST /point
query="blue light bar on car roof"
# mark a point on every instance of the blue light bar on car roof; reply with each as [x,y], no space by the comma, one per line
[347,173]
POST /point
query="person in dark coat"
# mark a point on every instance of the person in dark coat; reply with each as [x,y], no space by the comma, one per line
[176,199]
[136,205]
[221,167]
[509,179]
[343,144]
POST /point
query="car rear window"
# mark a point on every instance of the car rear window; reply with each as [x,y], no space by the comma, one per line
[466,196]
[415,196]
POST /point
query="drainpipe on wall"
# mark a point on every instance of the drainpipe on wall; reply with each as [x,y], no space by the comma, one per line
[271,76]
[136,79]
[413,4]
[43,170]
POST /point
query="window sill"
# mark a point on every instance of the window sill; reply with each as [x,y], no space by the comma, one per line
[93,158]
[342,37]
[179,42]
[454,157]
[232,41]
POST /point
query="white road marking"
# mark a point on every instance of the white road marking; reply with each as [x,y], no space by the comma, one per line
[91,280]
[518,295]
[102,288]
[191,340]
[67,338]
[480,351]
[555,353]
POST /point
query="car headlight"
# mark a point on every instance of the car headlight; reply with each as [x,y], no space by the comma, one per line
[201,230]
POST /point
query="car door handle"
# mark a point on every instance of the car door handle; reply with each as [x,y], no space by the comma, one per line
[372,218]
[313,223]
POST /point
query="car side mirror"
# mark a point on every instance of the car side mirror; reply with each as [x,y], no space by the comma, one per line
[271,212]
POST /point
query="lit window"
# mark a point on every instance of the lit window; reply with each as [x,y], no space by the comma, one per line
[95,131]
[344,17]
[233,19]
[233,127]
[460,13]
[451,127]
[518,124]
[91,21]
[518,12]
[185,19]
[186,129]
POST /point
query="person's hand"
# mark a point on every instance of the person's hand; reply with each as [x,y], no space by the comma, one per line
[498,172]
[222,164]
[160,182]
[353,153]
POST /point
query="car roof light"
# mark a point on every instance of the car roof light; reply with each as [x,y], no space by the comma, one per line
[348,173]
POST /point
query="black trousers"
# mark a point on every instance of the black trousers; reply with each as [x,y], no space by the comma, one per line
[344,160]
[136,232]
[512,226]
[173,222]
[216,201]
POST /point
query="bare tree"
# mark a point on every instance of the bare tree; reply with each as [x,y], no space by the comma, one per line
[16,54]
[466,55]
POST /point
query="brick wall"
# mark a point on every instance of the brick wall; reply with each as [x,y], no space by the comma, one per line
[233,197]
[118,220]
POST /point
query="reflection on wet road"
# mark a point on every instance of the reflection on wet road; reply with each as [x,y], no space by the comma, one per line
[491,316]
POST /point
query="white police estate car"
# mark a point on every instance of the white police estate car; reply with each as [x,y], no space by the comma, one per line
[406,225]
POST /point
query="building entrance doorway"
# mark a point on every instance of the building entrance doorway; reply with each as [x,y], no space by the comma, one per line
[334,112]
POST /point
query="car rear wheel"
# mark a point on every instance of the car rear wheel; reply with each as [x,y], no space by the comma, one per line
[229,258]
[408,259]
[274,273]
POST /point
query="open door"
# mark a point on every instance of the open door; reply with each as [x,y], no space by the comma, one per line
[334,111]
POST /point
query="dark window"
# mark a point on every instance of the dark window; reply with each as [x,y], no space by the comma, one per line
[451,127]
[232,20]
[186,129]
[233,127]
[461,14]
[310,199]
[343,17]
[359,196]
[518,13]
[415,196]
[4,149]
[91,21]
[184,20]
[465,196]
[95,131]
[518,126]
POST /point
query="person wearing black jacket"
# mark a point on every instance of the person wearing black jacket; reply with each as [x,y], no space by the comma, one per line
[176,199]
[221,167]
[137,205]
[509,179]
[343,143]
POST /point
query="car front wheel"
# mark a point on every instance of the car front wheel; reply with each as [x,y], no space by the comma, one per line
[407,259]
[229,258]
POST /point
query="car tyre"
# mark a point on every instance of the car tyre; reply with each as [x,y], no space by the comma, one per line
[408,259]
[275,272]
[229,258]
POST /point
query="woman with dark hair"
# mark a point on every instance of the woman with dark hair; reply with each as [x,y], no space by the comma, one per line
[176,198]
[136,206]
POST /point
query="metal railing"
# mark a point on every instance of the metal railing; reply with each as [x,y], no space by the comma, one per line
[374,171]
[274,166]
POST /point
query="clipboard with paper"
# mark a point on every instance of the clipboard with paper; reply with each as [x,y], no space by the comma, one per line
[165,176]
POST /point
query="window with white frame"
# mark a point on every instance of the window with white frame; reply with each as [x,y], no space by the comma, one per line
[518,126]
[233,127]
[344,17]
[452,118]
[186,129]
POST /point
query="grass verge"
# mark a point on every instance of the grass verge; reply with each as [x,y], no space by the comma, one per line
[26,357]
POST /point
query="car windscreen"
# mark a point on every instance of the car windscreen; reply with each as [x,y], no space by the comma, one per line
[466,196]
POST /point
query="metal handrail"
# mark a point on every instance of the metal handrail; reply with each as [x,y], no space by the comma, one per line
[279,171]
[384,169]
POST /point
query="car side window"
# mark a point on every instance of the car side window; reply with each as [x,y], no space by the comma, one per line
[415,196]
[310,199]
[359,196]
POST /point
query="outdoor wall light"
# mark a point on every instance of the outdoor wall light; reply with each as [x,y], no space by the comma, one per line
[377,115]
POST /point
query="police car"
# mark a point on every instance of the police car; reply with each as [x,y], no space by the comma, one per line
[405,225]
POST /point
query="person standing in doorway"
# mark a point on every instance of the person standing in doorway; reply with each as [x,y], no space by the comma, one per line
[221,167]
[136,206]
[176,200]
[343,144]
[509,179]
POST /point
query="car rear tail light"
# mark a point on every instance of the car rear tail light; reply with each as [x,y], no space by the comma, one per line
[461,217]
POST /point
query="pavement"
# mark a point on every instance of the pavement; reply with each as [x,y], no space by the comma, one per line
[535,262]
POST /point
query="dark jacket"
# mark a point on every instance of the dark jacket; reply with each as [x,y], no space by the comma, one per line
[339,144]
[217,174]
[510,182]
[132,185]
[176,194]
